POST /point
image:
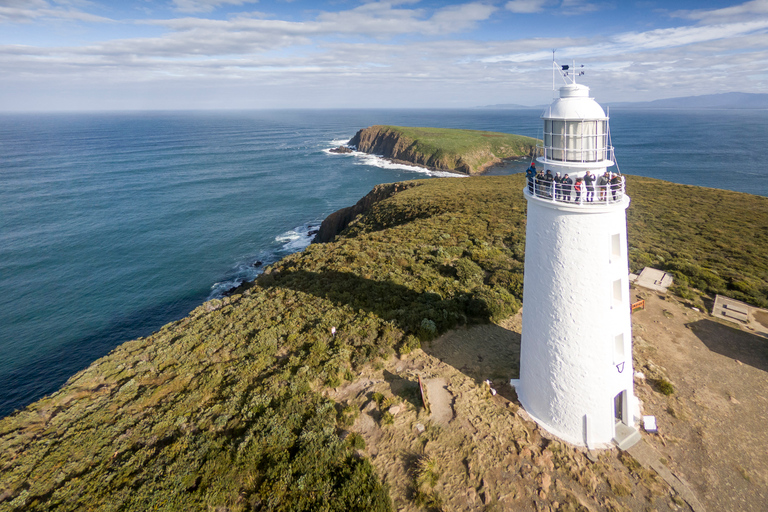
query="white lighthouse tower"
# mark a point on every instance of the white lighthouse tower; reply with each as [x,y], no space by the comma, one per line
[576,353]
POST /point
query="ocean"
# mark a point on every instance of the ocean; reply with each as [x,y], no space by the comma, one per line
[114,224]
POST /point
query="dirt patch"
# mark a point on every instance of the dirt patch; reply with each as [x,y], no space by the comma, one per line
[714,427]
[486,455]
[477,450]
[761,317]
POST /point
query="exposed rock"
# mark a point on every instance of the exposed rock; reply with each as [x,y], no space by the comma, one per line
[341,149]
[394,145]
[337,221]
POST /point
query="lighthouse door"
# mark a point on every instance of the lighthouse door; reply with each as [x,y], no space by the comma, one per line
[618,407]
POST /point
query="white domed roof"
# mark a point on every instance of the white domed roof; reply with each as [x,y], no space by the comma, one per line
[574,103]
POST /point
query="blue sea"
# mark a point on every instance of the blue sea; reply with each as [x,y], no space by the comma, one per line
[114,224]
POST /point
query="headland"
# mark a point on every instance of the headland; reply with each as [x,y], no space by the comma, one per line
[287,394]
[467,152]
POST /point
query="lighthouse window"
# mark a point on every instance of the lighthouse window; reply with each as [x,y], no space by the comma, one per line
[617,295]
[573,141]
[615,246]
[618,349]
[558,140]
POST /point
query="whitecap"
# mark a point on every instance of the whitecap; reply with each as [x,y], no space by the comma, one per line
[250,267]
[383,163]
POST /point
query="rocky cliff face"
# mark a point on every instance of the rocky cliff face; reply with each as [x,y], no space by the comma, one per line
[380,140]
[337,221]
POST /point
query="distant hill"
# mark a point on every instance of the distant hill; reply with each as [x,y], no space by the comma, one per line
[728,100]
[510,106]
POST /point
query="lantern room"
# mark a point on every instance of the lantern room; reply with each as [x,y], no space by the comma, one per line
[576,131]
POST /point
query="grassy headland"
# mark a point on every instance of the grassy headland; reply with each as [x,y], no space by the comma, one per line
[226,409]
[464,151]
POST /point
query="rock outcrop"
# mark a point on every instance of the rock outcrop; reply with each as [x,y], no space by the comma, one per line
[337,221]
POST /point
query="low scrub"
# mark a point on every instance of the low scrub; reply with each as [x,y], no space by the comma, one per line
[224,409]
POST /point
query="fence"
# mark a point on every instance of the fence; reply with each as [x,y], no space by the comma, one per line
[568,193]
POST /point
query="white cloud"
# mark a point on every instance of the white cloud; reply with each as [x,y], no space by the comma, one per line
[742,12]
[393,53]
[526,6]
[665,38]
[27,11]
[206,5]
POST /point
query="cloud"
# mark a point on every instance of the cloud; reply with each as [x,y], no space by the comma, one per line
[742,12]
[526,6]
[572,7]
[27,11]
[393,53]
[206,5]
[383,19]
[669,37]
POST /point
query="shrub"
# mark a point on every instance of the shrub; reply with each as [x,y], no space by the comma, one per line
[469,273]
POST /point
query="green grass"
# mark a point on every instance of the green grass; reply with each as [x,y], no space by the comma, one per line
[469,151]
[715,241]
[462,142]
[224,408]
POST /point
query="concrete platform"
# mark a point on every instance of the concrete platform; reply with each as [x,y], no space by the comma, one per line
[626,436]
[749,318]
[653,279]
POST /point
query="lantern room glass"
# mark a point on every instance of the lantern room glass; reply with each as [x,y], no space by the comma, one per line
[576,141]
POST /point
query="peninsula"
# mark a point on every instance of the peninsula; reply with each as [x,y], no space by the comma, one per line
[467,152]
[301,390]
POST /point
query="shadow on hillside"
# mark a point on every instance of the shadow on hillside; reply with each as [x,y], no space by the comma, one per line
[481,352]
[733,343]
[389,301]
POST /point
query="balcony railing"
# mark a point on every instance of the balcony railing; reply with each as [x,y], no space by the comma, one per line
[568,193]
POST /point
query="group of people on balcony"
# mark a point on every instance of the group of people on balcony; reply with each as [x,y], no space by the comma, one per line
[564,188]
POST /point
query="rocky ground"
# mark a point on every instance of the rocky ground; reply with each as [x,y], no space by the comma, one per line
[476,450]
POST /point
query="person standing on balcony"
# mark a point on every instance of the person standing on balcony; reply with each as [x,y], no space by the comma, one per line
[578,187]
[589,180]
[567,185]
[530,173]
[550,181]
[615,184]
[602,185]
[558,186]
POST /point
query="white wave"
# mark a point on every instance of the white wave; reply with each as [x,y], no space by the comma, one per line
[299,238]
[383,163]
[250,267]
[339,142]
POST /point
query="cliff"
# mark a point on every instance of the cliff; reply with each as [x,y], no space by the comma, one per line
[337,221]
[300,392]
[463,151]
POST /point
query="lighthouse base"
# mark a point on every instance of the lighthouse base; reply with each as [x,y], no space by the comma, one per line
[625,436]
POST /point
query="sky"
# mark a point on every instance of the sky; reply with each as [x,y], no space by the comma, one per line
[69,55]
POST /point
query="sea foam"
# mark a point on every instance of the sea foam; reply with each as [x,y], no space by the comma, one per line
[381,162]
[249,268]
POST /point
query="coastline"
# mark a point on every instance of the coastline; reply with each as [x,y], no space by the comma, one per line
[257,373]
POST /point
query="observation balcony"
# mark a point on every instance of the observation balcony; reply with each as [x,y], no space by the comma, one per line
[553,192]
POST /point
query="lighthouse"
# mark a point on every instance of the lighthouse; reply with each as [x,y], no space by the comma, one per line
[576,349]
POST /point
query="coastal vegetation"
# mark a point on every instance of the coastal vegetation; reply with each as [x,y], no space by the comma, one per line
[229,408]
[447,149]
